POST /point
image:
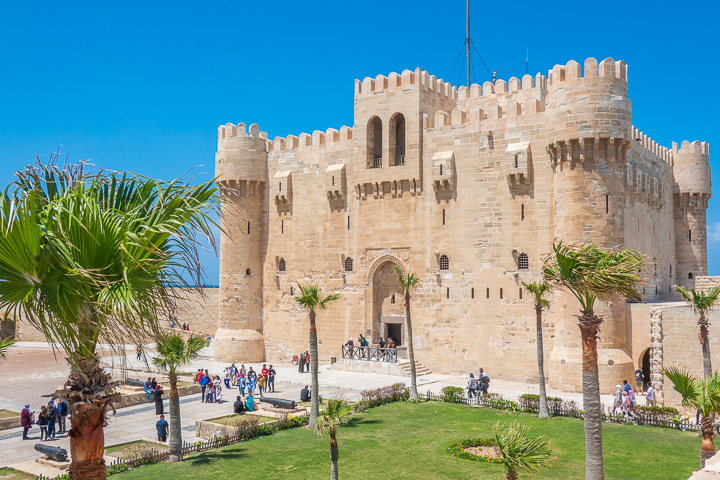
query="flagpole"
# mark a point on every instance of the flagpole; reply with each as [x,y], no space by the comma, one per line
[467,41]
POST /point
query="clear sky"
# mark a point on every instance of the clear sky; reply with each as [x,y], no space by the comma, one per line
[142,86]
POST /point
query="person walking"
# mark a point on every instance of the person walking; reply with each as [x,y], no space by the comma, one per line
[307,361]
[271,379]
[26,420]
[301,362]
[626,403]
[162,429]
[241,385]
[640,381]
[626,386]
[158,396]
[52,416]
[261,384]
[472,386]
[204,381]
[218,389]
[226,374]
[63,410]
[233,375]
[650,395]
[617,399]
[391,348]
[484,382]
[264,372]
[138,351]
[198,375]
[42,423]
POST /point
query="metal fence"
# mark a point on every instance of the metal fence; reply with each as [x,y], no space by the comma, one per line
[374,354]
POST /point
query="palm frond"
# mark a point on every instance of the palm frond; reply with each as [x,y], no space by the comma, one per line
[309,297]
[700,301]
[174,350]
[5,345]
[334,415]
[538,289]
[687,385]
[520,453]
[406,281]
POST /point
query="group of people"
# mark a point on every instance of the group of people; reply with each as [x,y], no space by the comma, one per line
[155,394]
[52,419]
[624,397]
[210,385]
[478,386]
[245,380]
[363,342]
[304,362]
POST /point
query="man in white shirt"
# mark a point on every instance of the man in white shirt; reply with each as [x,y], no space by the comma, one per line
[650,395]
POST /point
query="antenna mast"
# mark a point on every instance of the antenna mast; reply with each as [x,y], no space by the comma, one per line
[467,42]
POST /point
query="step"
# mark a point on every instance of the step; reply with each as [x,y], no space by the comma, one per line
[420,369]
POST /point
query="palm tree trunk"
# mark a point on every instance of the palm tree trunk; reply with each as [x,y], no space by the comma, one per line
[314,400]
[410,348]
[592,407]
[175,440]
[511,475]
[334,455]
[87,442]
[544,413]
[705,343]
[707,447]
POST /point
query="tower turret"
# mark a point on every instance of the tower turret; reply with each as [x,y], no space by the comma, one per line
[691,193]
[589,122]
[241,167]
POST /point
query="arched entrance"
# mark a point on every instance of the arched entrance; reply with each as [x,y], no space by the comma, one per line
[645,365]
[388,310]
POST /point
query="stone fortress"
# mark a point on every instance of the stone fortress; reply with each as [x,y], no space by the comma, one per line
[468,188]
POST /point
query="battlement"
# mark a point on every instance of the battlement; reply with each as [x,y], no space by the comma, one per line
[641,140]
[404,80]
[607,69]
[695,148]
[317,140]
[230,130]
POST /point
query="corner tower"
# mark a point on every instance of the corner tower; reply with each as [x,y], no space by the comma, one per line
[588,119]
[691,193]
[241,168]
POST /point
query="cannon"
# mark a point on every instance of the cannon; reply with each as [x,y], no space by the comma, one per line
[134,383]
[280,403]
[53,453]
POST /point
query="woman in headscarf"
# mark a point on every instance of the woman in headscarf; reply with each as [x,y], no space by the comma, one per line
[157,395]
[249,402]
[626,403]
[617,399]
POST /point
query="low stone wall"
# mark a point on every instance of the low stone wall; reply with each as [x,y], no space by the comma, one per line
[208,430]
[367,366]
[11,422]
[140,398]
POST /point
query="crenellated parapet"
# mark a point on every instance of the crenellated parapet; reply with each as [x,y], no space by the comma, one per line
[407,79]
[691,167]
[316,140]
[241,158]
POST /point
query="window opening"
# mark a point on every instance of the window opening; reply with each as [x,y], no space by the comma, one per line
[444,263]
[247,272]
[348,222]
[607,203]
[472,293]
[523,262]
[690,236]
[282,227]
[448,292]
[522,212]
[487,293]
[398,129]
[374,143]
[443,216]
[333,181]
[501,294]
[690,276]
[521,294]
[292,291]
[280,186]
[348,264]
[281,265]
[516,161]
[392,299]
[441,170]
[248,228]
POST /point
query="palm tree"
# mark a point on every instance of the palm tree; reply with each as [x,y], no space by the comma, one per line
[701,302]
[333,416]
[174,351]
[590,273]
[518,452]
[407,282]
[87,258]
[5,345]
[310,299]
[702,395]
[538,289]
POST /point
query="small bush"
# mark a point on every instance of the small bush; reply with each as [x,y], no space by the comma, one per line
[452,394]
[381,396]
[246,426]
[653,415]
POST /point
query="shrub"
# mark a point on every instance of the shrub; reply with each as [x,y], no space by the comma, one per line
[381,396]
[290,421]
[452,394]
[246,426]
[530,402]
[653,415]
[361,406]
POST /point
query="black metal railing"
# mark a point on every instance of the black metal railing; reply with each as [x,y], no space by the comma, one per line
[373,354]
[377,162]
[399,160]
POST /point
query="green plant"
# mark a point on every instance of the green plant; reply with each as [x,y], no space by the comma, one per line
[519,453]
[118,468]
[457,449]
[452,394]
[408,282]
[336,414]
[379,396]
[5,345]
[539,289]
[701,302]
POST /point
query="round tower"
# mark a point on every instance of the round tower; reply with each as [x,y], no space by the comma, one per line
[589,132]
[241,168]
[691,193]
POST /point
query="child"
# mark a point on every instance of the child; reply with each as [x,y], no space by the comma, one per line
[42,423]
[261,384]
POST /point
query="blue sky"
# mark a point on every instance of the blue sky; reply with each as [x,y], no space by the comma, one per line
[142,86]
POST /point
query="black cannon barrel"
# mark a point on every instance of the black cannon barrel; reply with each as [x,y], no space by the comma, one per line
[134,383]
[280,402]
[54,453]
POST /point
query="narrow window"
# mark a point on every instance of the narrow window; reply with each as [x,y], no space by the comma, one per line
[292,291]
[448,292]
[521,294]
[281,265]
[487,293]
[523,262]
[501,294]
[655,289]
[522,212]
[247,272]
[444,263]
[441,170]
[282,227]
[607,203]
[392,299]
[690,236]
[516,161]
[348,222]
[248,228]
[333,181]
[671,270]
[280,186]
[472,293]
[348,264]
[443,216]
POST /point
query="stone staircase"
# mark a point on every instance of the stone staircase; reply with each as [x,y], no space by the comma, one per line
[420,369]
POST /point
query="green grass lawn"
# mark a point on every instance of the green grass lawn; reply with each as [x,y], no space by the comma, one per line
[12,474]
[8,414]
[133,449]
[408,441]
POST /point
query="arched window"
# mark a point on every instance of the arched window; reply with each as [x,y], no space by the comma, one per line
[374,143]
[247,272]
[392,299]
[348,264]
[444,263]
[281,265]
[690,276]
[397,139]
[523,262]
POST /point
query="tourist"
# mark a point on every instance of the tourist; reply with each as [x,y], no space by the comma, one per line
[26,420]
[472,386]
[307,361]
[238,406]
[147,387]
[153,383]
[158,394]
[172,325]
[138,351]
[241,385]
[264,372]
[391,348]
[305,394]
[251,381]
[198,375]
[183,326]
[63,410]
[226,373]
[241,372]
[188,327]
[208,339]
[204,381]
[301,362]
[484,382]
[631,394]
[271,379]
[381,343]
[650,395]
[42,423]
[218,389]
[261,384]
[233,375]
[52,417]
[250,403]
[617,399]
[162,429]
[626,386]
[640,381]
[626,403]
